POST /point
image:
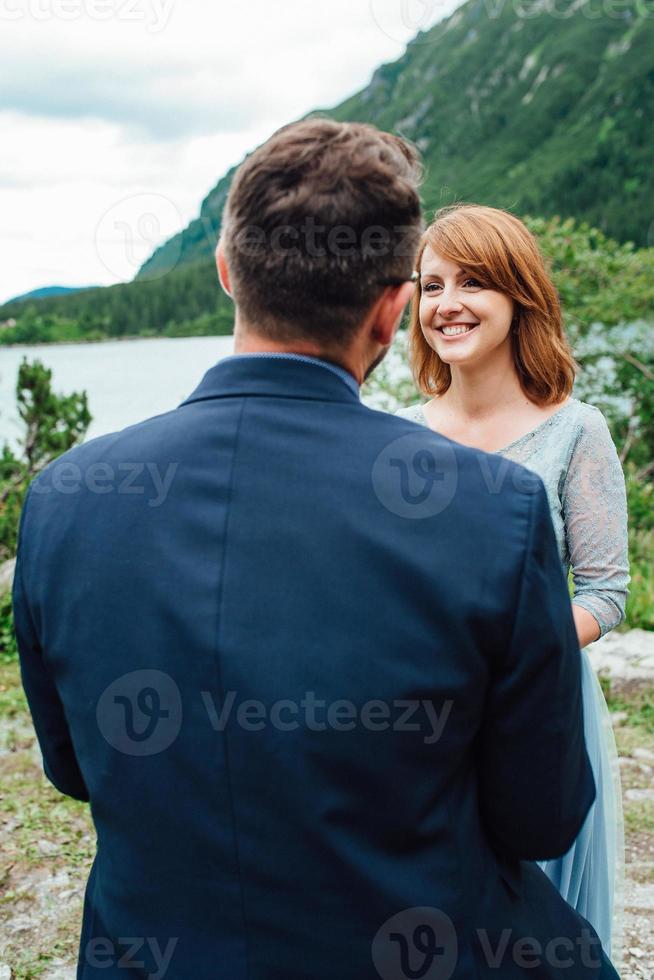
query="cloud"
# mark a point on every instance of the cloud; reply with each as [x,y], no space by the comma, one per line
[95,111]
[159,102]
[206,69]
[59,179]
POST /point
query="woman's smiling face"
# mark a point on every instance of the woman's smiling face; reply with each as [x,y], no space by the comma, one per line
[462,319]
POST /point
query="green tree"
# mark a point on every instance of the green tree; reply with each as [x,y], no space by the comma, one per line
[53,424]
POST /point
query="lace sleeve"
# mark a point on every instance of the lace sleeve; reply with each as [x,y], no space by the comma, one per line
[595,516]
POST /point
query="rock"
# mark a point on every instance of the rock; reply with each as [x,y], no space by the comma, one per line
[619,718]
[5,972]
[642,897]
[640,795]
[6,583]
[21,923]
[644,754]
[48,848]
[61,973]
[48,888]
[627,659]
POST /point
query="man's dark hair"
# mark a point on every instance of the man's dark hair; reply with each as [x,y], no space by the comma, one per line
[318,220]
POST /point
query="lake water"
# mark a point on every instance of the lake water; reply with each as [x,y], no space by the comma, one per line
[126,381]
[131,380]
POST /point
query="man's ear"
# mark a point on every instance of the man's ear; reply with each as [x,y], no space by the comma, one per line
[392,305]
[223,271]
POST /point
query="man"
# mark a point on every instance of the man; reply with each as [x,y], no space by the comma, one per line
[322,694]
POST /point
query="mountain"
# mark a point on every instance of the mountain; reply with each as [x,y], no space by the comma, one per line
[46,291]
[187,302]
[542,109]
[545,107]
[198,240]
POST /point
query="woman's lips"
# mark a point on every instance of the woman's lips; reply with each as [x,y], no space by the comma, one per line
[457,336]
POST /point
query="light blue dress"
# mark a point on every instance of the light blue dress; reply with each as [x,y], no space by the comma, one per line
[575,456]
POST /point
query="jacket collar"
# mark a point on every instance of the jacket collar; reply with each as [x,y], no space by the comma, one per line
[276,377]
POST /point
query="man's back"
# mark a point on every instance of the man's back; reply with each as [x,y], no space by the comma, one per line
[319,673]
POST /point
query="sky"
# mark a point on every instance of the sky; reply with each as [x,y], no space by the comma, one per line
[118,116]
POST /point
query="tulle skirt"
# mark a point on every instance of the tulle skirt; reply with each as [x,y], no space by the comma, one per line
[591,875]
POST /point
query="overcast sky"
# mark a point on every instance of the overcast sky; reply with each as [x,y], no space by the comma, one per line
[117,116]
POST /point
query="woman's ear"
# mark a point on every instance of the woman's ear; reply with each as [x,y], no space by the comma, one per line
[223,271]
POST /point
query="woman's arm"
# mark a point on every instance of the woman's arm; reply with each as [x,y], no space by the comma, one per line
[595,517]
[588,629]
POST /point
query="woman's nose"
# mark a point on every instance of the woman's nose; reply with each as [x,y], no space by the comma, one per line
[449,302]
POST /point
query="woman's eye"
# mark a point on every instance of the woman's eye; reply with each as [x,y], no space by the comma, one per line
[472,283]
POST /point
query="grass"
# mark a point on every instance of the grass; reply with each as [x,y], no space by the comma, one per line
[8,649]
[638,705]
[639,819]
[640,604]
[46,848]
[637,733]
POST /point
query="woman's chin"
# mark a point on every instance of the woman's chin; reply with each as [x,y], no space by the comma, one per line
[450,354]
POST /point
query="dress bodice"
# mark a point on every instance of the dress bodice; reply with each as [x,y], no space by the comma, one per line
[573,453]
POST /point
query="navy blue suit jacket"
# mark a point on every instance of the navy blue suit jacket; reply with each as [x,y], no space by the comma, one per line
[315,669]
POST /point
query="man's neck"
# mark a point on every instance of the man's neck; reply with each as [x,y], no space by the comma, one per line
[248,343]
[260,345]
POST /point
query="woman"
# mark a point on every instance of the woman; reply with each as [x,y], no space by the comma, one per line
[487,344]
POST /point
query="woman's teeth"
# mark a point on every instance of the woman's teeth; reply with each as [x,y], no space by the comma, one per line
[455,331]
